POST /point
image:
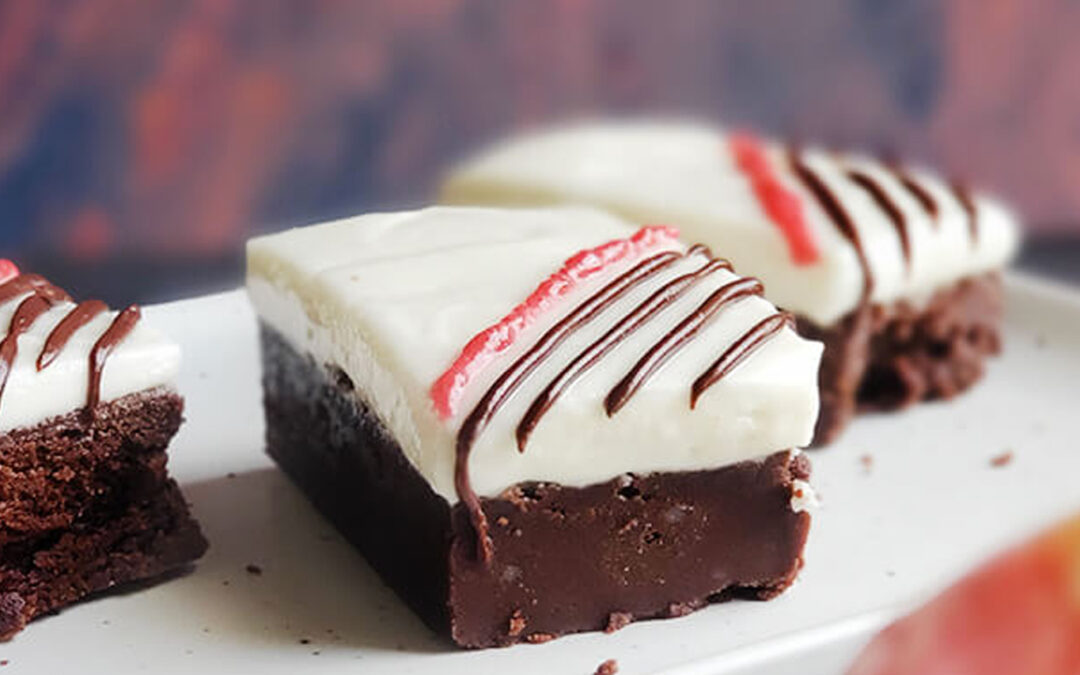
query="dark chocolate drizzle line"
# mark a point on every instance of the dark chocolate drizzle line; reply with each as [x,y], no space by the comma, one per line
[623,329]
[83,314]
[121,326]
[836,211]
[26,283]
[44,296]
[886,204]
[921,194]
[512,378]
[963,197]
[24,317]
[678,337]
[738,352]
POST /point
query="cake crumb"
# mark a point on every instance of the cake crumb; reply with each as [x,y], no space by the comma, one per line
[1004,459]
[517,624]
[305,641]
[609,667]
[254,569]
[539,638]
[4,662]
[867,462]
[230,475]
[502,521]
[617,621]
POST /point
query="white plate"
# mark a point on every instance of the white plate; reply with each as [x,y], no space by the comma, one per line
[930,506]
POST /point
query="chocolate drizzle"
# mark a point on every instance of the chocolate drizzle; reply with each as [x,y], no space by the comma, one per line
[525,365]
[119,329]
[886,204]
[671,343]
[592,354]
[830,203]
[26,283]
[83,314]
[25,315]
[44,296]
[738,352]
[963,197]
[921,194]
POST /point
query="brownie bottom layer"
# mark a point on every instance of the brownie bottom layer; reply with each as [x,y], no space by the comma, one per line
[565,559]
[42,575]
[889,357]
[86,504]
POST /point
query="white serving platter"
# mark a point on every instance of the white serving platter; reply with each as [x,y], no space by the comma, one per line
[888,535]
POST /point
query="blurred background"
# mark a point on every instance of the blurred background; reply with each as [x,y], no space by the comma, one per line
[142,142]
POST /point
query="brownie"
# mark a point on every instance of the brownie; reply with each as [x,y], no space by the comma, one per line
[566,559]
[86,504]
[888,357]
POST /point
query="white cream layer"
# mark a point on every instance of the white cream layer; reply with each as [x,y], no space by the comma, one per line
[392,299]
[685,175]
[144,360]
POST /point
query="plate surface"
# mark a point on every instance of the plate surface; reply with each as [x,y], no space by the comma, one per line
[280,592]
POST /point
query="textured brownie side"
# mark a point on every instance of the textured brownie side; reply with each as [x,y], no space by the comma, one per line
[887,357]
[68,465]
[566,559]
[147,539]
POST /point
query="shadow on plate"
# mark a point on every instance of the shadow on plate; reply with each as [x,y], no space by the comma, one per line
[277,572]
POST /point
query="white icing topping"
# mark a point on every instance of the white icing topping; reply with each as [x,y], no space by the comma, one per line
[144,360]
[393,298]
[685,175]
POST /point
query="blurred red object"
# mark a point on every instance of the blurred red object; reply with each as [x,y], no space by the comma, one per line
[1018,615]
[8,270]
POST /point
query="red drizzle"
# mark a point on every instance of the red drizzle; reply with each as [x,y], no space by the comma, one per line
[782,205]
[738,352]
[121,326]
[8,270]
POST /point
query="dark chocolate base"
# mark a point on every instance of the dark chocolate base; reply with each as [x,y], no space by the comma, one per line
[565,559]
[86,504]
[889,357]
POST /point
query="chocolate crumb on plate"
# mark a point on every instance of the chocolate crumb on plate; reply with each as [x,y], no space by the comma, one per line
[1004,459]
[254,569]
[609,667]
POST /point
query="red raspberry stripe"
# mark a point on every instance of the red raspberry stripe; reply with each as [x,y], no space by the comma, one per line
[8,270]
[487,345]
[781,204]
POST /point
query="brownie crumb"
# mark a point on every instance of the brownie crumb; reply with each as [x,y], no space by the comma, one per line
[609,667]
[254,569]
[539,638]
[617,621]
[517,624]
[867,462]
[305,641]
[1004,459]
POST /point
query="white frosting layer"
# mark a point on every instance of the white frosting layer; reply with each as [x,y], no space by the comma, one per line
[144,360]
[392,299]
[685,175]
